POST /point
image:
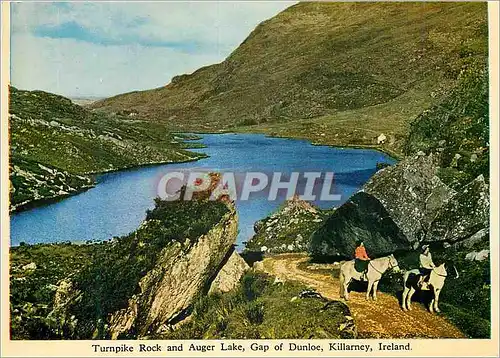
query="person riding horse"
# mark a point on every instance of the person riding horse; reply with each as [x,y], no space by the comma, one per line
[361,258]
[426,267]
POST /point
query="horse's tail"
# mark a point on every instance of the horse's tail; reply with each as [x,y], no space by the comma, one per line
[342,281]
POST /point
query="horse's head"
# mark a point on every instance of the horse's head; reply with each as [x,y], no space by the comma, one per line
[393,263]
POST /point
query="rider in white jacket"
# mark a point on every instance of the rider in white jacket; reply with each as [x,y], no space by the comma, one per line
[426,266]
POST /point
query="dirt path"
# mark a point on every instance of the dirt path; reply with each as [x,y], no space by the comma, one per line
[374,319]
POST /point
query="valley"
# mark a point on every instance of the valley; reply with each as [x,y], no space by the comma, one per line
[394,99]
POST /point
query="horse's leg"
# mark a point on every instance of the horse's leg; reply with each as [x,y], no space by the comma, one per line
[346,288]
[341,281]
[375,285]
[436,299]
[405,292]
[369,290]
[403,298]
[431,305]
[408,299]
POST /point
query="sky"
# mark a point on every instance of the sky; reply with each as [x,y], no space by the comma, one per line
[101,49]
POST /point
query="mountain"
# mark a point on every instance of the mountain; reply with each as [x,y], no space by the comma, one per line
[336,73]
[55,144]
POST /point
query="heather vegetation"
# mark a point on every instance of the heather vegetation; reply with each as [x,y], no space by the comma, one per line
[96,279]
[260,309]
[56,143]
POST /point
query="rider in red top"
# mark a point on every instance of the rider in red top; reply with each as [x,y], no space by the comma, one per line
[360,252]
[361,260]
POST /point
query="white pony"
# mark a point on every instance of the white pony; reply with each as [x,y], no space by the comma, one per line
[436,282]
[376,268]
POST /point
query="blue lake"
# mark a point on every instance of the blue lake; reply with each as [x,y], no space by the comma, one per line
[117,205]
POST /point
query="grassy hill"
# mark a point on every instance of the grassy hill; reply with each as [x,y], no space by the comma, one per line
[104,274]
[54,143]
[335,73]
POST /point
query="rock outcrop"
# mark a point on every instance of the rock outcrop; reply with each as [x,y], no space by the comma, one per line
[181,273]
[230,274]
[402,207]
[286,230]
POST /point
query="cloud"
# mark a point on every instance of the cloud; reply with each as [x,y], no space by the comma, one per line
[108,48]
[74,68]
[73,30]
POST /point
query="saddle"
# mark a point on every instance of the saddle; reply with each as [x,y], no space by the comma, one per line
[423,280]
[361,266]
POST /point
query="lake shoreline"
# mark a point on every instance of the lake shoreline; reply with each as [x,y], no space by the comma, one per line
[391,153]
[32,204]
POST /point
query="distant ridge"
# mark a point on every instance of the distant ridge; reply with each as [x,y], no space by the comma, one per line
[322,59]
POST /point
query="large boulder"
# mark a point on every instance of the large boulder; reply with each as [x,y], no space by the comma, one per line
[365,218]
[412,194]
[402,207]
[464,215]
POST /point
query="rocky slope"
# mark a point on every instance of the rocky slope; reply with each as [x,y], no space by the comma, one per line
[32,181]
[133,286]
[54,143]
[288,229]
[439,193]
[359,68]
[181,272]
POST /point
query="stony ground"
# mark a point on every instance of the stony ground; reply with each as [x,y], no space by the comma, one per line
[383,318]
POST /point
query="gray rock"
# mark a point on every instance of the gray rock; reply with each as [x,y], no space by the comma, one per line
[392,212]
[364,218]
[400,208]
[463,215]
[230,274]
[482,236]
[478,256]
[30,266]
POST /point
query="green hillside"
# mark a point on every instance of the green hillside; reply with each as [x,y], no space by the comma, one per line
[54,143]
[342,72]
[458,128]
